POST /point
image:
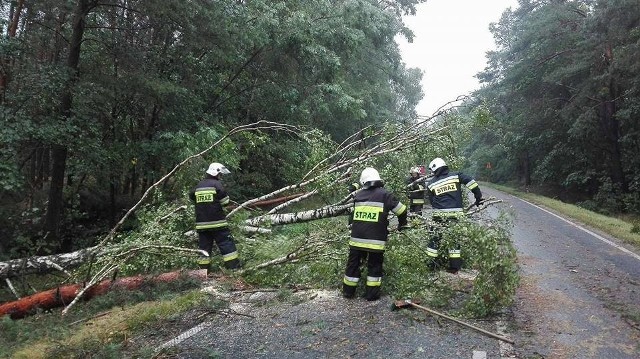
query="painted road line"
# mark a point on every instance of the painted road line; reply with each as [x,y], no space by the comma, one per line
[636,256]
[186,335]
[477,354]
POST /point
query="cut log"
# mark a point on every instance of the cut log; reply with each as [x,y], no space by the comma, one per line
[299,217]
[46,264]
[61,296]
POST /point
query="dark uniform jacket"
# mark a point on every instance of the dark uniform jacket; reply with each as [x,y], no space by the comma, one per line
[416,190]
[445,192]
[370,217]
[210,197]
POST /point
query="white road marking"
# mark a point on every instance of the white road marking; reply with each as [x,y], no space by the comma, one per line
[636,256]
[479,355]
[186,335]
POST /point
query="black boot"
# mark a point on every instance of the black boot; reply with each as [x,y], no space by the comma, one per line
[432,264]
[454,265]
[348,291]
[372,293]
[233,264]
[204,263]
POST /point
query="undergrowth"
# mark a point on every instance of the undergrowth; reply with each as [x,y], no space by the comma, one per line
[297,256]
[98,328]
[316,255]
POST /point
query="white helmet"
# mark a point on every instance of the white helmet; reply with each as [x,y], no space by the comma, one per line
[414,170]
[436,163]
[217,168]
[369,174]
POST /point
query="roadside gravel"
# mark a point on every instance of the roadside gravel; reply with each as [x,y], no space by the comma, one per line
[322,324]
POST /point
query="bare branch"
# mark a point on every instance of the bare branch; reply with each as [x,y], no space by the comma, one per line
[125,256]
[13,290]
[260,125]
[292,201]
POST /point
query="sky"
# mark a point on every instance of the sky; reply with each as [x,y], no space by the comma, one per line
[450,43]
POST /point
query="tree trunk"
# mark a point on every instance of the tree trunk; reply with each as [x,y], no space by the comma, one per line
[299,217]
[61,296]
[46,264]
[55,206]
[14,19]
[611,126]
[65,261]
[113,193]
[59,151]
[525,168]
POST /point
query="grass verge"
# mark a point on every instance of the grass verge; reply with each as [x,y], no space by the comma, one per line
[101,328]
[623,229]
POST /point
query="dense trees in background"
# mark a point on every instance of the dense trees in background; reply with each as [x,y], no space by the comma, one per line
[563,88]
[100,98]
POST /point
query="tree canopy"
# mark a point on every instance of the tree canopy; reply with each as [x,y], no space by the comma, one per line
[100,99]
[562,91]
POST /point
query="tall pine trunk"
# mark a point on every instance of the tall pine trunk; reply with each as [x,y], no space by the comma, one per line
[611,126]
[14,19]
[59,150]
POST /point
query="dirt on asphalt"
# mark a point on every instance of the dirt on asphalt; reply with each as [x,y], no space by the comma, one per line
[315,324]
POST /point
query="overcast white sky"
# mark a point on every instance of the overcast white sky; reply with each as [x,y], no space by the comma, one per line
[451,39]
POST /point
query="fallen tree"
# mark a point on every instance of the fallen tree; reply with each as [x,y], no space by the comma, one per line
[334,170]
[66,261]
[60,296]
[46,264]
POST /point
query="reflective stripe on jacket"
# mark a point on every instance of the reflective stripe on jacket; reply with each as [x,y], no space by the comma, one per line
[210,197]
[445,192]
[370,218]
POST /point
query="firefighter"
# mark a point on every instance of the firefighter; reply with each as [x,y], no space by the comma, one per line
[445,194]
[210,199]
[369,233]
[416,191]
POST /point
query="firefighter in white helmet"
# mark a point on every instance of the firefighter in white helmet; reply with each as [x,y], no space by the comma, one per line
[415,190]
[210,198]
[372,204]
[445,194]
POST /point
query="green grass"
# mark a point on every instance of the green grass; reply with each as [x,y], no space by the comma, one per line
[100,328]
[625,229]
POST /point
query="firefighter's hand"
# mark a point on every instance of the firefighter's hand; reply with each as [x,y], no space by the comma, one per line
[402,227]
[479,202]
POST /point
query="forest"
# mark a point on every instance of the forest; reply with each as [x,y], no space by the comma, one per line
[113,109]
[562,89]
[100,99]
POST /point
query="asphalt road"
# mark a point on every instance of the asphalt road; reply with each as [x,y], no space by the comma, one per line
[577,291]
[577,288]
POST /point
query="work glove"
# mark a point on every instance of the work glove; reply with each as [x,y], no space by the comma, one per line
[479,201]
[353,187]
[402,227]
